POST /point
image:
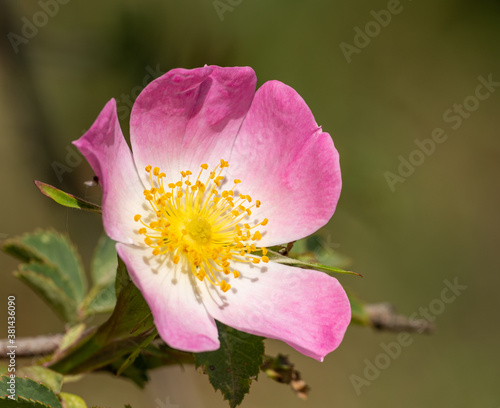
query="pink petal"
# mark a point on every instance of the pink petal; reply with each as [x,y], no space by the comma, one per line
[306,309]
[107,152]
[189,117]
[284,160]
[180,317]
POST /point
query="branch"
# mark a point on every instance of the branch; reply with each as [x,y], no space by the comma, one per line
[32,346]
[383,316]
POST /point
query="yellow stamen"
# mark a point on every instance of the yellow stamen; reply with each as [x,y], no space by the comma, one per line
[201,224]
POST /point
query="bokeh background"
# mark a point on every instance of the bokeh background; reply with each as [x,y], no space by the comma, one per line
[440,223]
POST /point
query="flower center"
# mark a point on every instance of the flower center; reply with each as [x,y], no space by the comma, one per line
[200,230]
[199,223]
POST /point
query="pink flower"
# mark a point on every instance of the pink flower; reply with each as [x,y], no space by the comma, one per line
[218,173]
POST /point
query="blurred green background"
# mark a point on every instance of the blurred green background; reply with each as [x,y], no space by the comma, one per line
[440,223]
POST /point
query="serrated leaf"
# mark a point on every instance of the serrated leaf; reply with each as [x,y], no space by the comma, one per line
[72,400]
[14,248]
[285,260]
[53,249]
[234,365]
[55,275]
[66,199]
[21,403]
[43,375]
[28,392]
[64,306]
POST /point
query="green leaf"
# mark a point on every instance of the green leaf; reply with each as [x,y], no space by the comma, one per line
[104,261]
[151,357]
[53,249]
[28,393]
[51,379]
[66,199]
[69,340]
[316,249]
[137,373]
[130,318]
[55,275]
[21,402]
[122,277]
[101,299]
[126,329]
[234,365]
[64,306]
[92,354]
[102,296]
[72,400]
[285,260]
[72,335]
[130,359]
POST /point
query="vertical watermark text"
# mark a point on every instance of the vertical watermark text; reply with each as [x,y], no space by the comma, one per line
[11,347]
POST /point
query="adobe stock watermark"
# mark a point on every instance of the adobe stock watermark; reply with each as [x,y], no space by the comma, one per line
[30,26]
[165,404]
[124,106]
[126,100]
[326,247]
[392,350]
[453,116]
[363,37]
[72,160]
[224,6]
